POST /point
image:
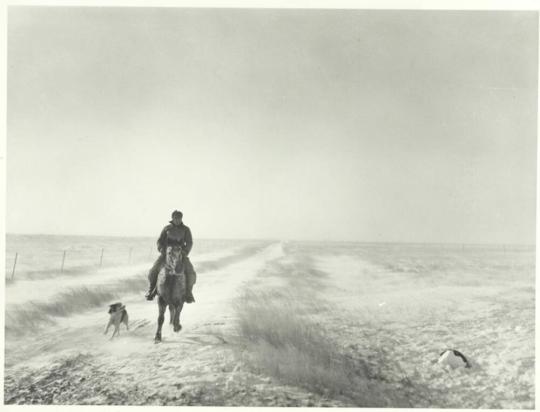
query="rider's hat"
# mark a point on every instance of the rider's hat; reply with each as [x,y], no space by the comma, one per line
[176,213]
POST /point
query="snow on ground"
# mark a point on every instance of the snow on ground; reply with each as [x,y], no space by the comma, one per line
[409,316]
[414,320]
[364,285]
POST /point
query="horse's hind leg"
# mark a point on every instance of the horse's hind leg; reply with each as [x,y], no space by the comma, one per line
[162,306]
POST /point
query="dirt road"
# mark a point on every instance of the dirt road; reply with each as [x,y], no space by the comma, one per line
[74,362]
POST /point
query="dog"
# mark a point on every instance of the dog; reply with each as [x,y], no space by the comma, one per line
[118,314]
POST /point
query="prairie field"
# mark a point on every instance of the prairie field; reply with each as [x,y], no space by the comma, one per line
[274,324]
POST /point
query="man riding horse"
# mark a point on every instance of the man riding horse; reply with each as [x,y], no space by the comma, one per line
[174,234]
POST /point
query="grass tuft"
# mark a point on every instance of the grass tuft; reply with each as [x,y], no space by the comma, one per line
[284,341]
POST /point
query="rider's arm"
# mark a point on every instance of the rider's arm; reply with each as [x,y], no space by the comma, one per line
[188,242]
[161,242]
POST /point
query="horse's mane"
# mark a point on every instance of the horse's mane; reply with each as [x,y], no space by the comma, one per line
[171,264]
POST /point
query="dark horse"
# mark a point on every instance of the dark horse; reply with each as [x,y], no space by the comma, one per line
[171,286]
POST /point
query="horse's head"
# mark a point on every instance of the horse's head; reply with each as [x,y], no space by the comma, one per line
[173,259]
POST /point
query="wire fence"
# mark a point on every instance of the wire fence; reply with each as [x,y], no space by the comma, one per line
[42,256]
[28,257]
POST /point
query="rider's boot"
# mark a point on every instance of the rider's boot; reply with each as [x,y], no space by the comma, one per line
[151,292]
[189,295]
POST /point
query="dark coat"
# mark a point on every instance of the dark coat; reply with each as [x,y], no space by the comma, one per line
[175,235]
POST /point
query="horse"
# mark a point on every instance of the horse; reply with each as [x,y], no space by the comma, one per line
[171,287]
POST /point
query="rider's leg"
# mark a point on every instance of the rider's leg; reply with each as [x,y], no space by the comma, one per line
[152,277]
[191,278]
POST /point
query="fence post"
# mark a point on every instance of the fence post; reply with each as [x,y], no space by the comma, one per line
[101,258]
[63,260]
[14,265]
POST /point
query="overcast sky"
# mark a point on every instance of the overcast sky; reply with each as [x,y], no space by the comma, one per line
[287,124]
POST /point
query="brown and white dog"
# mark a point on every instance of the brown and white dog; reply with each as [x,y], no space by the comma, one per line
[119,315]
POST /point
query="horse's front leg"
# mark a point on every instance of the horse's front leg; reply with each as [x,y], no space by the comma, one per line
[171,313]
[115,332]
[162,306]
[178,309]
[107,328]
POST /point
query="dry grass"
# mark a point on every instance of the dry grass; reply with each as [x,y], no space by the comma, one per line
[284,341]
[27,318]
[24,320]
[76,300]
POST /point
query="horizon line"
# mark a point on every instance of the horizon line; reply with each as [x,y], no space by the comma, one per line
[291,240]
